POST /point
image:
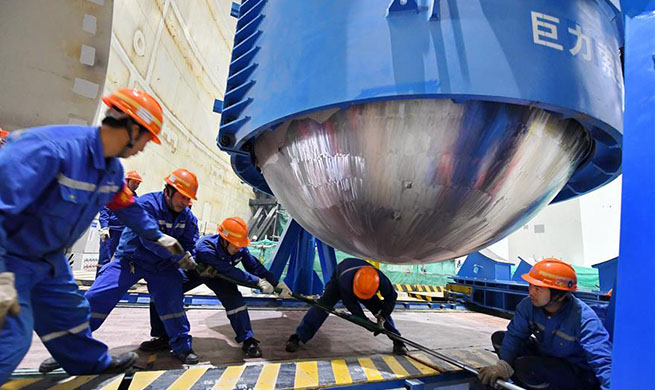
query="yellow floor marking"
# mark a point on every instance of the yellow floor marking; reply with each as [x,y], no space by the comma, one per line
[188,379]
[393,364]
[372,373]
[73,382]
[18,384]
[341,373]
[306,374]
[425,370]
[115,384]
[229,378]
[142,379]
[268,377]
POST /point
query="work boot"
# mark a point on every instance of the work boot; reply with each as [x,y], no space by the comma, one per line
[251,348]
[293,343]
[121,363]
[188,357]
[399,348]
[48,365]
[155,344]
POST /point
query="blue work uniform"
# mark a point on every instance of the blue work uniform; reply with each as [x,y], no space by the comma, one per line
[210,251]
[55,181]
[340,287]
[574,334]
[108,219]
[137,259]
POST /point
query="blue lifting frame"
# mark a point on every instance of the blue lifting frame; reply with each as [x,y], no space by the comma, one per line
[297,248]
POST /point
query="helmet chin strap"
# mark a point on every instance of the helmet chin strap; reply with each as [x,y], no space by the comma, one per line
[129,124]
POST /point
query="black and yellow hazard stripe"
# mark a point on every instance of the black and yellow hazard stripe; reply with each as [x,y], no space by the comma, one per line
[270,376]
[56,382]
[286,375]
[408,288]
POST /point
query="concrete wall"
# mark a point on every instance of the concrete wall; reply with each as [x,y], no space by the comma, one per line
[53,60]
[179,51]
[583,231]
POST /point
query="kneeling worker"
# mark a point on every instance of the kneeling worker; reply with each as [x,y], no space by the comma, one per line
[223,252]
[354,281]
[570,348]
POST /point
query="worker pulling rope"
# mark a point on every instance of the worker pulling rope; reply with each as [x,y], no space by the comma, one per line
[371,326]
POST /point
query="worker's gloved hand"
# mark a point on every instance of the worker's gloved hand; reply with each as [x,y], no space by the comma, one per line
[104,234]
[286,291]
[8,297]
[170,244]
[381,320]
[187,262]
[265,286]
[490,374]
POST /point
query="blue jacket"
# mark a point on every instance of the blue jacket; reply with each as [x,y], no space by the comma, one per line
[574,333]
[210,251]
[344,275]
[148,255]
[55,180]
[109,219]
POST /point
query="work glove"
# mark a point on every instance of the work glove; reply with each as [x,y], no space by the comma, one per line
[381,320]
[187,262]
[104,234]
[490,374]
[170,244]
[8,297]
[286,291]
[265,286]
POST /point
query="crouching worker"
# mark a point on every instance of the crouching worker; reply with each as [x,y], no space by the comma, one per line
[555,341]
[354,281]
[223,252]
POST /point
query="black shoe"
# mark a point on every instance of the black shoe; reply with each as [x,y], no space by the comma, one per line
[251,348]
[399,348]
[155,344]
[121,363]
[48,365]
[188,358]
[293,343]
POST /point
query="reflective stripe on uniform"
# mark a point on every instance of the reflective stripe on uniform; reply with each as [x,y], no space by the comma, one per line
[75,184]
[54,335]
[172,315]
[99,315]
[351,269]
[235,311]
[108,189]
[565,336]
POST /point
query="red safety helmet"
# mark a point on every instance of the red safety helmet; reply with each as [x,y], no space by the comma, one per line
[552,273]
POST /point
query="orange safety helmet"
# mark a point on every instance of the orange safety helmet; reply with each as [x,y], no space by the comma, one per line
[552,273]
[184,181]
[3,133]
[134,175]
[139,105]
[366,282]
[235,231]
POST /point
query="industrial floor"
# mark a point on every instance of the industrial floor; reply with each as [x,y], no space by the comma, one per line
[340,354]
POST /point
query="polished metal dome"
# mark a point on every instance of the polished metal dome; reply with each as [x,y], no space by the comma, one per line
[416,181]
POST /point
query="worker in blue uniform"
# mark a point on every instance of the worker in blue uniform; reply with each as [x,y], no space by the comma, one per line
[55,180]
[111,227]
[555,341]
[137,259]
[354,282]
[222,253]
